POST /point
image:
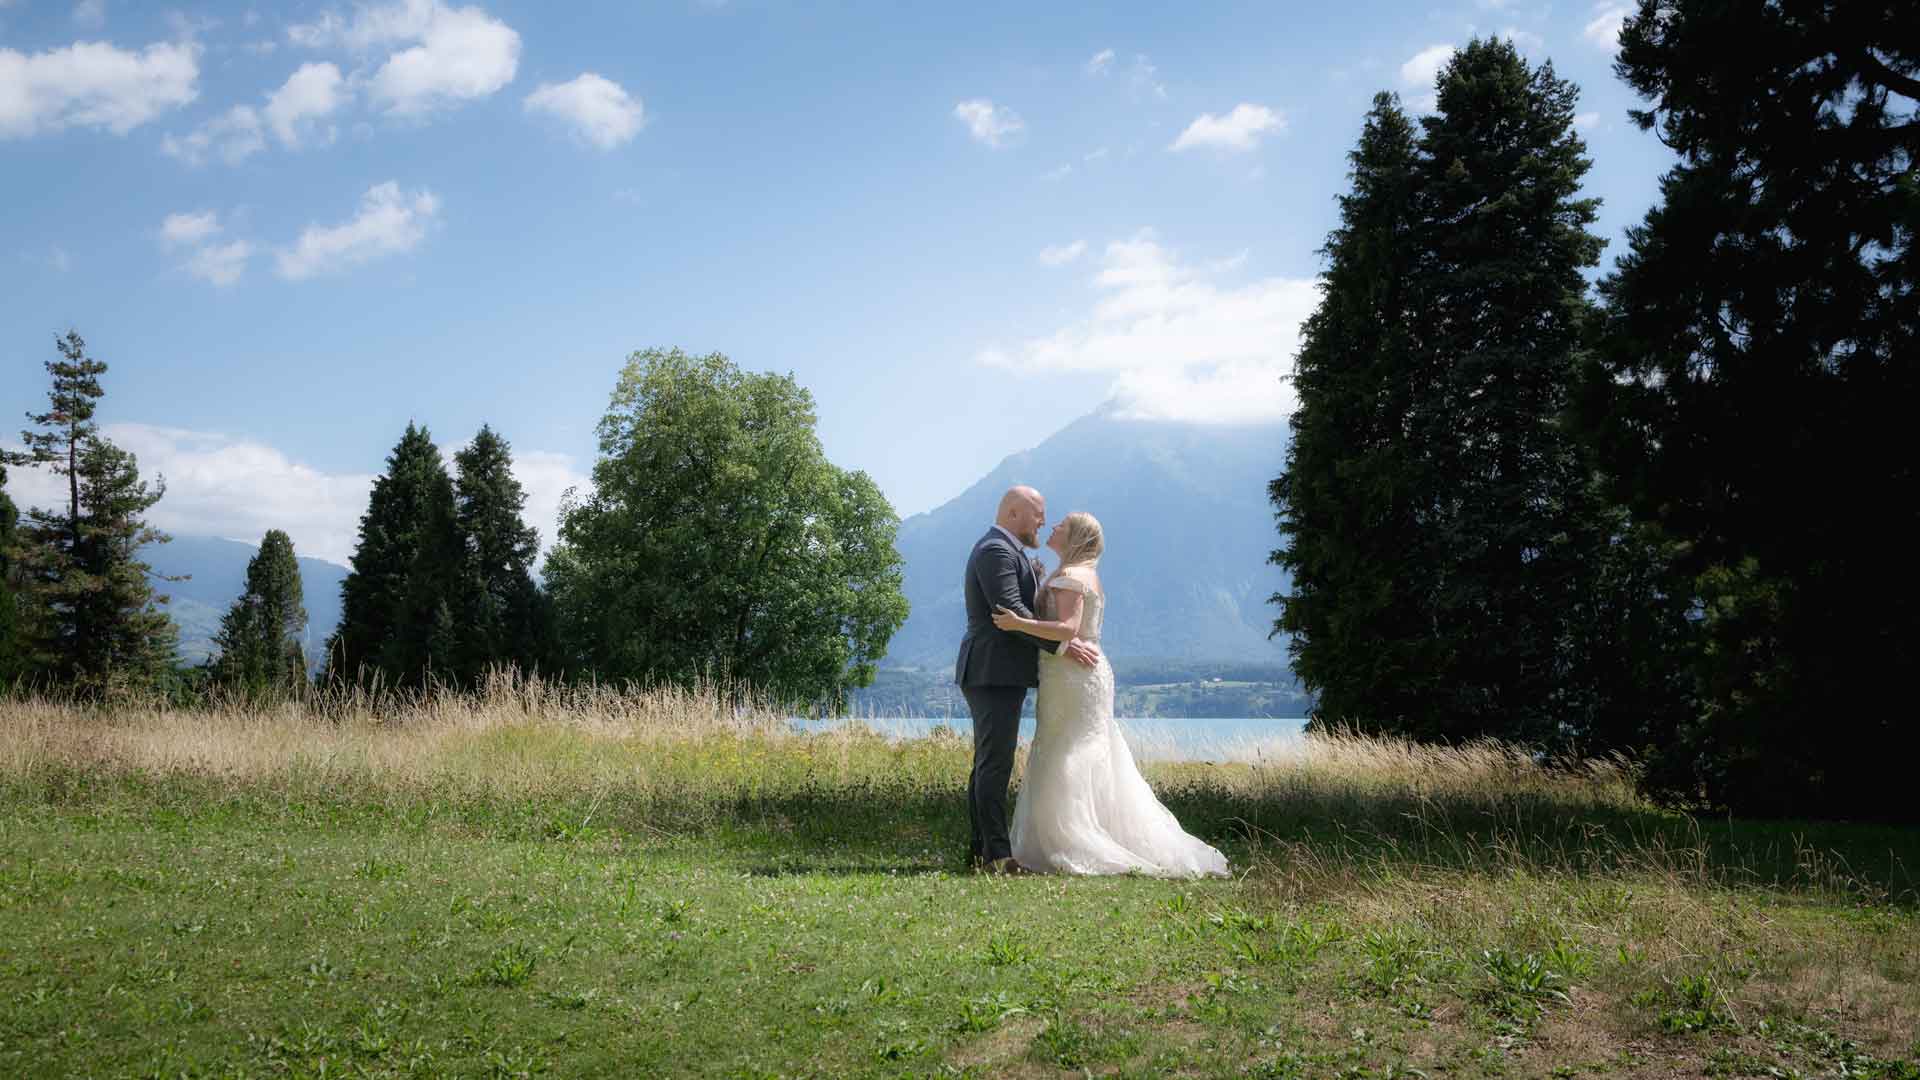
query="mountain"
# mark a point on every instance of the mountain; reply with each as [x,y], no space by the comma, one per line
[218,575]
[1188,530]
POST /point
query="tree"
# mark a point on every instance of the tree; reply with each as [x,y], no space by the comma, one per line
[259,638]
[13,646]
[718,541]
[1345,500]
[396,620]
[501,613]
[1456,570]
[1750,389]
[96,622]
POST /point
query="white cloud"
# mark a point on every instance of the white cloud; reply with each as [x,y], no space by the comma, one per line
[1058,172]
[1586,121]
[989,123]
[1525,40]
[1097,155]
[545,476]
[447,55]
[222,485]
[1604,30]
[1062,254]
[390,222]
[93,84]
[312,92]
[1101,63]
[90,14]
[218,485]
[60,260]
[234,136]
[599,110]
[1176,343]
[218,264]
[189,229]
[1238,130]
[1425,66]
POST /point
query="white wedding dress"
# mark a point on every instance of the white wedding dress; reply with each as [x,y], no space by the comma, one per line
[1083,807]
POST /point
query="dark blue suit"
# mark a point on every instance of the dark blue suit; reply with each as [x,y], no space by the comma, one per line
[994,669]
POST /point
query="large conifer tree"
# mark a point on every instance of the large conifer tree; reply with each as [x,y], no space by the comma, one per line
[1346,500]
[1752,390]
[499,607]
[97,622]
[396,620]
[259,638]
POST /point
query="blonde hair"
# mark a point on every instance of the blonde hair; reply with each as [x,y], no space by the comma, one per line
[1084,540]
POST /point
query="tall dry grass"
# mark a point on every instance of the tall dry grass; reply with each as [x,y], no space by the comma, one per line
[527,757]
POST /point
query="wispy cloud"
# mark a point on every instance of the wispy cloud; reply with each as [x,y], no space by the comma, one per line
[1178,342]
[1062,254]
[989,123]
[218,264]
[1604,30]
[1238,130]
[1420,73]
[390,222]
[599,111]
[1101,63]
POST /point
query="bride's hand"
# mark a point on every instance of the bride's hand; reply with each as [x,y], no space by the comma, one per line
[1006,620]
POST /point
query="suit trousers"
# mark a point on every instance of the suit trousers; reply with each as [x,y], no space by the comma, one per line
[996,727]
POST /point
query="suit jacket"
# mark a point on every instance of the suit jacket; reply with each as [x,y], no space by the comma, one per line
[998,574]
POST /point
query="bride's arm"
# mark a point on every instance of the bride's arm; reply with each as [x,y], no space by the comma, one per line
[1065,628]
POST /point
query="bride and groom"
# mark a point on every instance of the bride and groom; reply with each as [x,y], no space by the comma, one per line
[1084,807]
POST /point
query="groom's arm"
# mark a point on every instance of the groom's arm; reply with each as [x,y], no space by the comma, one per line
[998,572]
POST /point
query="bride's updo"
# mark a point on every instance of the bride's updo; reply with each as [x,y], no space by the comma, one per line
[1084,541]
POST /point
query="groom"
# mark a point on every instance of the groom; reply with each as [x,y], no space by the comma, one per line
[996,666]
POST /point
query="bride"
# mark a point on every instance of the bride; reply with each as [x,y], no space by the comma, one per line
[1084,807]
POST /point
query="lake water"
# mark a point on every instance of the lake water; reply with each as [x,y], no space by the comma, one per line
[1156,738]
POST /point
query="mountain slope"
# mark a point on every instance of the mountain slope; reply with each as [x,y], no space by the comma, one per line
[1188,530]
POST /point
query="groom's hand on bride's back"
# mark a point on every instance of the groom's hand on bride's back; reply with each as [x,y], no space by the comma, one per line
[1082,652]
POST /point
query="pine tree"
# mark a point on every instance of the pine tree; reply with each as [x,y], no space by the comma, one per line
[1752,384]
[403,572]
[259,637]
[499,605]
[1503,238]
[1345,500]
[97,623]
[13,644]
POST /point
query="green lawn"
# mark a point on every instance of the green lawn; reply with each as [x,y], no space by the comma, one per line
[524,895]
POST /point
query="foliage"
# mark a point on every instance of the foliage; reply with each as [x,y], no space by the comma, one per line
[718,541]
[1456,572]
[502,616]
[93,620]
[396,622]
[1749,392]
[260,635]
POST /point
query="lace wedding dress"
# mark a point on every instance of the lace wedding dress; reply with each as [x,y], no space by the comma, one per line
[1084,807]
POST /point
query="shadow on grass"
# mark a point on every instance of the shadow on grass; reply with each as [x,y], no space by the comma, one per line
[880,826]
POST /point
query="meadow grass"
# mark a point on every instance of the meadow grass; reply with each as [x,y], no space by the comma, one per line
[547,881]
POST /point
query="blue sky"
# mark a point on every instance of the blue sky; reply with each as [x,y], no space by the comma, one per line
[291,229]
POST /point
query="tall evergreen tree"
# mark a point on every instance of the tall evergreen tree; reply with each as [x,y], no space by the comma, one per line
[259,638]
[395,620]
[1752,384]
[1345,502]
[500,611]
[1503,238]
[13,644]
[97,622]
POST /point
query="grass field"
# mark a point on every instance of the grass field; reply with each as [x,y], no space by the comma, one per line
[537,882]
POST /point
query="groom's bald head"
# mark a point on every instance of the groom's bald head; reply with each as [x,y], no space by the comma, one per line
[1022,512]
